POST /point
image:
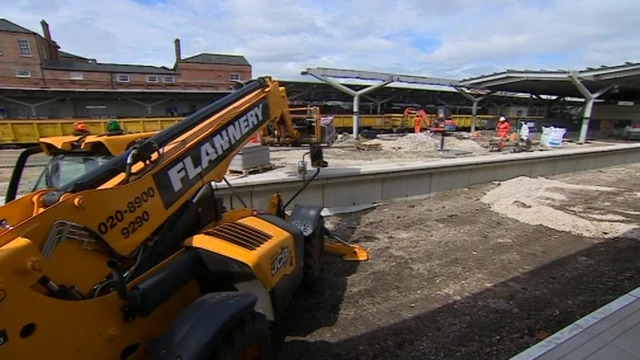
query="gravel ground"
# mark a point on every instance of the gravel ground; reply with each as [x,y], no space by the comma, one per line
[450,278]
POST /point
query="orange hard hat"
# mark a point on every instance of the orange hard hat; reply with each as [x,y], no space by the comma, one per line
[80,126]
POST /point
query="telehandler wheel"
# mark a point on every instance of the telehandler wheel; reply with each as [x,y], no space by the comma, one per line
[249,339]
[313,256]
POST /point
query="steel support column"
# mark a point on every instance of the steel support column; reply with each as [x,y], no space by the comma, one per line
[148,106]
[32,106]
[474,108]
[380,102]
[356,96]
[498,107]
[588,107]
[548,103]
[384,101]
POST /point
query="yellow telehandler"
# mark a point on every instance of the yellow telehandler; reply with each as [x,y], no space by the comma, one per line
[130,254]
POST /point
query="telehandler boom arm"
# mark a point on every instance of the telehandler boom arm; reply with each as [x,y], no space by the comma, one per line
[256,93]
[125,201]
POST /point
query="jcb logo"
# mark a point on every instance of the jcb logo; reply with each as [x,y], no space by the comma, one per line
[279,260]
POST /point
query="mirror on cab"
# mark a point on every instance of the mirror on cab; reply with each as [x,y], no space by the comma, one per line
[317,157]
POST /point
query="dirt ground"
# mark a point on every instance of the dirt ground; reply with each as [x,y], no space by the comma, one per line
[477,273]
[450,278]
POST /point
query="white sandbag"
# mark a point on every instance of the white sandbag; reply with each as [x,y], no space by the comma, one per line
[552,136]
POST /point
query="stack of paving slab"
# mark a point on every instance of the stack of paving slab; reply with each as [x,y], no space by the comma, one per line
[252,156]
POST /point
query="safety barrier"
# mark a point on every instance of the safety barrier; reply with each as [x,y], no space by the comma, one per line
[352,186]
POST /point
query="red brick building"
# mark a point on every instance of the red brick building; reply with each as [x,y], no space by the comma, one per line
[31,60]
[39,80]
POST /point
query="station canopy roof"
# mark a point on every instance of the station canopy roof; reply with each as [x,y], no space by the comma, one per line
[400,88]
[623,81]
[317,90]
[396,92]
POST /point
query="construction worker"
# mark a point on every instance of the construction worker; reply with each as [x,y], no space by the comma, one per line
[503,128]
[80,128]
[502,134]
[417,122]
[523,143]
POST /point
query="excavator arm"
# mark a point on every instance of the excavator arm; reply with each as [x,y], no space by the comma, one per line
[425,118]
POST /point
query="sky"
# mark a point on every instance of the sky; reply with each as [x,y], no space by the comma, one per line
[442,38]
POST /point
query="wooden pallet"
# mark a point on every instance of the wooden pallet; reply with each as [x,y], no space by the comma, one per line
[255,170]
[369,147]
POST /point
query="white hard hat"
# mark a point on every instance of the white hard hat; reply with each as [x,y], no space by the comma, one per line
[502,118]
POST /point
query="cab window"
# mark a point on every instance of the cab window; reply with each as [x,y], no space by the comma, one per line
[63,169]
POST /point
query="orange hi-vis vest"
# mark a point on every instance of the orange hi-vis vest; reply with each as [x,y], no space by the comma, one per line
[503,128]
[417,124]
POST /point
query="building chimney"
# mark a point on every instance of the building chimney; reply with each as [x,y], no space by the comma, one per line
[177,48]
[45,30]
[52,48]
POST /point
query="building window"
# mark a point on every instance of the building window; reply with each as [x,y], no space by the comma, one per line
[234,77]
[23,73]
[152,78]
[123,78]
[23,47]
[168,79]
[76,76]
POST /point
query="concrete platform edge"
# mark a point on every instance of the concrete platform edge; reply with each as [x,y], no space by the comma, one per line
[551,342]
[369,184]
[388,169]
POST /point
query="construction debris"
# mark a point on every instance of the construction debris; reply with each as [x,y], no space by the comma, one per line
[424,142]
[369,146]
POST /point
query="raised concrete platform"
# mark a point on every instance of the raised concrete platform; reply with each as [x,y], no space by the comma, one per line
[358,185]
[609,333]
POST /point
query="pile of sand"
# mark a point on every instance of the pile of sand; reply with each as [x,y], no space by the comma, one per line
[545,202]
[427,143]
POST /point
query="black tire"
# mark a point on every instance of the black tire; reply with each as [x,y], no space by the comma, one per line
[250,338]
[313,256]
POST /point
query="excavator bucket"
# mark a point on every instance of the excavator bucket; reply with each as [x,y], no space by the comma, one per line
[349,252]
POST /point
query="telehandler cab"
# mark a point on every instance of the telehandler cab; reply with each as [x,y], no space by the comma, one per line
[68,158]
[136,257]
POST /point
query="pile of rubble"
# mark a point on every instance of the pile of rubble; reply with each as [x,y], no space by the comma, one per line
[426,143]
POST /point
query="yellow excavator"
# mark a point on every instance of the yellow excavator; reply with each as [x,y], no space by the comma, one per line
[309,128]
[133,256]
